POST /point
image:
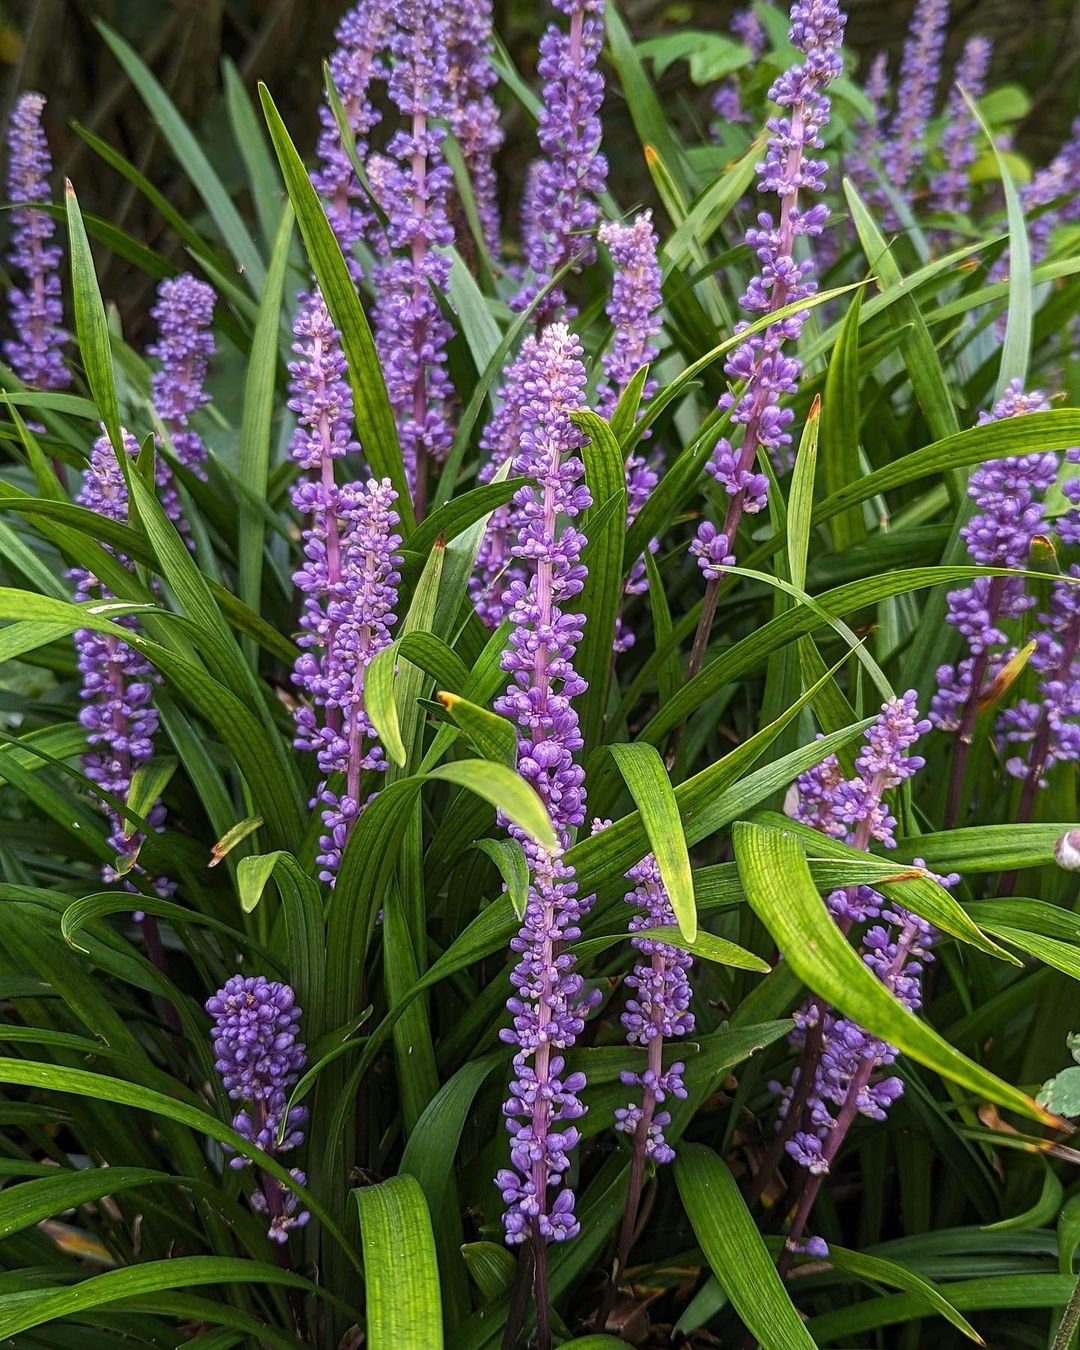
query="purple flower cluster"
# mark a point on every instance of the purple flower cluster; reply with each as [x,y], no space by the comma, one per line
[1009,496]
[117,690]
[260,1057]
[548,1004]
[920,71]
[661,1009]
[184,313]
[634,307]
[844,1059]
[495,566]
[951,188]
[412,184]
[862,161]
[474,114]
[361,37]
[560,205]
[634,311]
[349,579]
[727,99]
[1057,185]
[347,617]
[37,312]
[765,373]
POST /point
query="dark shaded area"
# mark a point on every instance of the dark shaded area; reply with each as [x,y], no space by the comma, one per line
[53,45]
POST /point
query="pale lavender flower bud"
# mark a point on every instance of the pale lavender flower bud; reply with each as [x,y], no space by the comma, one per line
[37,312]
[260,1058]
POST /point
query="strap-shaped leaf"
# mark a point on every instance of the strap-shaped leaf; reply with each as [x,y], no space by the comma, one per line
[735,1250]
[647,780]
[782,893]
[401,1275]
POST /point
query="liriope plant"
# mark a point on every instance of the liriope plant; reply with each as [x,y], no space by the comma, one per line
[430,914]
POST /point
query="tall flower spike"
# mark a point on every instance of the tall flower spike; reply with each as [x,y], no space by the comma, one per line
[548,1004]
[634,311]
[920,71]
[37,312]
[346,624]
[1009,496]
[659,1011]
[496,567]
[862,163]
[184,313]
[840,1074]
[727,99]
[412,184]
[1058,182]
[759,364]
[474,114]
[560,208]
[951,188]
[357,60]
[117,688]
[260,1057]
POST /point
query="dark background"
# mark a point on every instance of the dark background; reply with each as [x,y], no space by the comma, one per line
[52,45]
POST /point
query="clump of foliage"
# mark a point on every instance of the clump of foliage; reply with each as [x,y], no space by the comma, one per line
[538,745]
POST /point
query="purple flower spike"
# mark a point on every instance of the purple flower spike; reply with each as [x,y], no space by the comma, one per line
[361,37]
[37,312]
[474,114]
[727,100]
[1009,495]
[560,207]
[347,618]
[634,307]
[548,1005]
[661,1009]
[845,1061]
[184,313]
[117,689]
[759,364]
[951,189]
[920,71]
[260,1058]
[862,162]
[412,184]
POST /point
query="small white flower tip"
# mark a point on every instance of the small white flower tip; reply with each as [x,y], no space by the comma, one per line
[1067,851]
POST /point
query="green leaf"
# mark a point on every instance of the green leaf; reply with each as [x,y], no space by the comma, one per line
[704,945]
[841,418]
[783,895]
[877,1270]
[301,901]
[263,181]
[91,325]
[99,1087]
[148,782]
[917,347]
[17,1314]
[1043,1212]
[492,1267]
[380,701]
[801,501]
[192,159]
[734,1249]
[21,1206]
[495,737]
[374,416]
[258,416]
[648,783]
[602,593]
[401,1276]
[505,789]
